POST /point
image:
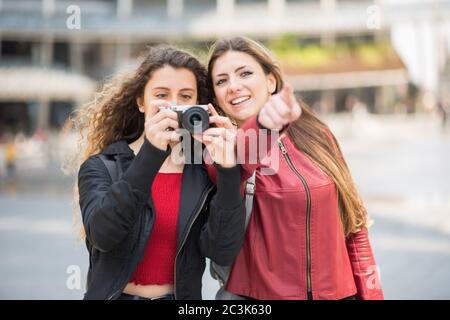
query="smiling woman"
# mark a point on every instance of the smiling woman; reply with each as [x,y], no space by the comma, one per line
[237,85]
[307,236]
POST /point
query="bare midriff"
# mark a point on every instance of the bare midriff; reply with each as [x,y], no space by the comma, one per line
[148,291]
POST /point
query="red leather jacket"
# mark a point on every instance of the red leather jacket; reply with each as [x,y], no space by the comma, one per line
[294,245]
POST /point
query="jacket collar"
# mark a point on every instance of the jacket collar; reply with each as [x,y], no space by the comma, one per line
[116,148]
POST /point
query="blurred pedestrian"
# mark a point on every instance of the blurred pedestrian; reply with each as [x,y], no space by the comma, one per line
[444,111]
[10,159]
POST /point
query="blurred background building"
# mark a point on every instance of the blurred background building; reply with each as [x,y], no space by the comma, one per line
[383,54]
[377,71]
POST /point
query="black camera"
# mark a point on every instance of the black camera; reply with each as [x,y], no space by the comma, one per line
[193,118]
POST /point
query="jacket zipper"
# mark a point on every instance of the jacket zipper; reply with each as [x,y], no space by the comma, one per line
[184,240]
[308,218]
[110,298]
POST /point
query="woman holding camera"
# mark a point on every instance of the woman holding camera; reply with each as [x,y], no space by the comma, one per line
[149,219]
[307,236]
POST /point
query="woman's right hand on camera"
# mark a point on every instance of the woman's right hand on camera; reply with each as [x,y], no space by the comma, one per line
[160,124]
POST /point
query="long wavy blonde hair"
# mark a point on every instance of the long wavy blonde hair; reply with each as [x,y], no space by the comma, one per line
[309,133]
[114,115]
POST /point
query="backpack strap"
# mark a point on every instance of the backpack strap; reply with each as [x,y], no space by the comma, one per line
[111,166]
[249,194]
[221,273]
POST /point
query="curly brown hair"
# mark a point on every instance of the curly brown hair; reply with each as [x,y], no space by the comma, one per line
[114,115]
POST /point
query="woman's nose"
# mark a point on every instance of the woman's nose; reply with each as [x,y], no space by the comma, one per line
[234,86]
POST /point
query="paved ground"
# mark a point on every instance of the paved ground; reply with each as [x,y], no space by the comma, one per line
[401,165]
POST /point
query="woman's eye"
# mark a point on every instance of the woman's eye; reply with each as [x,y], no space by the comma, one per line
[161,95]
[186,97]
[219,82]
[246,73]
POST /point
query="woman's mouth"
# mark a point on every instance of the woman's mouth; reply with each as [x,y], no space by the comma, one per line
[239,101]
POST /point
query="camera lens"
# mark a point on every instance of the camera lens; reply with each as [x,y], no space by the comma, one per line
[195,120]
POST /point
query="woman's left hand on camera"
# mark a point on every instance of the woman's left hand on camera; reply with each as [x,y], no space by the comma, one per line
[218,120]
[219,140]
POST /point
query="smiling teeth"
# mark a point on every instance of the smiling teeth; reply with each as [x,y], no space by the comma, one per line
[240,100]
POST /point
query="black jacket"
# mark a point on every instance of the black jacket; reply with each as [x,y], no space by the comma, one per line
[118,218]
